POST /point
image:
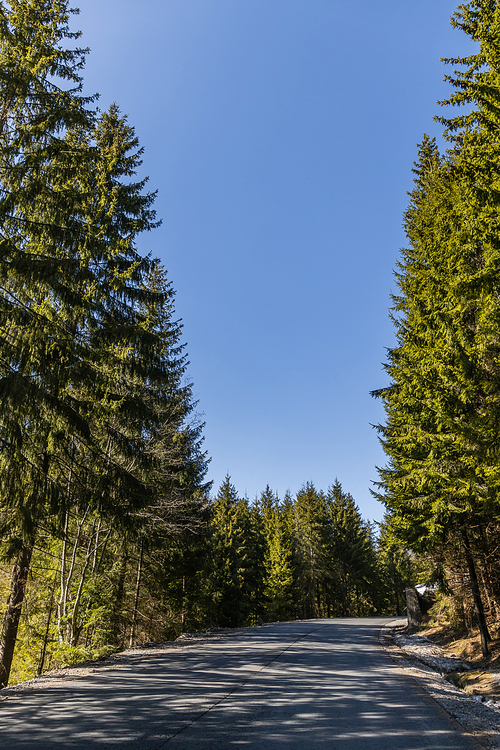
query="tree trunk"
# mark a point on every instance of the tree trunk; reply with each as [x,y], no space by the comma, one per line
[183,611]
[61,605]
[136,599]
[75,628]
[12,615]
[476,595]
[47,630]
[494,599]
[489,575]
[396,599]
[116,613]
[63,626]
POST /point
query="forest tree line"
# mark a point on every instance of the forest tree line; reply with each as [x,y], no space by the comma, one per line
[95,588]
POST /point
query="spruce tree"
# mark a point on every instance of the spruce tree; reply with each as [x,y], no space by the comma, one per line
[40,90]
[442,411]
[351,553]
[278,568]
[95,418]
[310,564]
[225,554]
[396,568]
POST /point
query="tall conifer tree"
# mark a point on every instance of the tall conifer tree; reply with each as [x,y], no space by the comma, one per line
[37,218]
[442,427]
[278,570]
[351,553]
[310,566]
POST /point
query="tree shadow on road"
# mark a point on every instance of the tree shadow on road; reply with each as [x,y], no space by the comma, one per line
[313,684]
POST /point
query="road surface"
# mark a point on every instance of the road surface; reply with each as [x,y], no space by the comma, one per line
[312,685]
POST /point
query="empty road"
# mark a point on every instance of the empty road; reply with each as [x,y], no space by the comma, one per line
[311,685]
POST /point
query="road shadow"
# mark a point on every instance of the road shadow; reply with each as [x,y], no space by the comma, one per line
[311,684]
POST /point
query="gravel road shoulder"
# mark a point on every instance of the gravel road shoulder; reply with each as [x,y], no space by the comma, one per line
[410,654]
[121,659]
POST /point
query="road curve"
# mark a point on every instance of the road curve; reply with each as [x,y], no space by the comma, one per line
[312,684]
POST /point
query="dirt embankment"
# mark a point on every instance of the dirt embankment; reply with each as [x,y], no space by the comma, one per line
[481,676]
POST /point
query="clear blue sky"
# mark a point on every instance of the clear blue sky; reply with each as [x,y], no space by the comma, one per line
[280,135]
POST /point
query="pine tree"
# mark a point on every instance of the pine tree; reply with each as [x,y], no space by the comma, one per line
[351,552]
[95,420]
[176,464]
[310,565]
[225,583]
[36,220]
[396,568]
[144,469]
[277,563]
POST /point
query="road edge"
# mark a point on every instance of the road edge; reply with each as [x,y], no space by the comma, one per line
[466,715]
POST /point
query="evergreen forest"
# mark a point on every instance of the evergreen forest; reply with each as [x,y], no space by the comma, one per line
[109,534]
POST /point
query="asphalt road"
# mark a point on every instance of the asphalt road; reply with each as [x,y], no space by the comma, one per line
[311,685]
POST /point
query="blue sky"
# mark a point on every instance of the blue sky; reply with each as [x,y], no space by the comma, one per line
[280,135]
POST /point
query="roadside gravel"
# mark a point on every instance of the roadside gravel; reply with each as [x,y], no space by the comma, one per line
[116,661]
[428,664]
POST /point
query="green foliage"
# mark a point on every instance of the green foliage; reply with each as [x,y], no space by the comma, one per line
[309,548]
[397,569]
[277,522]
[308,556]
[234,573]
